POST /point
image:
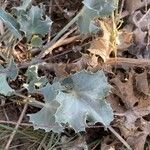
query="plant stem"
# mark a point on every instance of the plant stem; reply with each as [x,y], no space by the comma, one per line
[43,53]
[16,127]
[31,101]
[120,138]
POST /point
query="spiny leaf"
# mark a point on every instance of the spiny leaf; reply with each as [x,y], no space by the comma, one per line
[33,80]
[85,19]
[102,7]
[83,98]
[74,100]
[45,118]
[10,72]
[33,22]
[10,22]
[94,9]
[5,89]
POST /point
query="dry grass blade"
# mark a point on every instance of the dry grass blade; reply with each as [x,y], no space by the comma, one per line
[48,49]
[120,138]
[16,127]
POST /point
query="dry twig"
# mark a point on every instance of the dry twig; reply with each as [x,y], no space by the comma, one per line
[128,61]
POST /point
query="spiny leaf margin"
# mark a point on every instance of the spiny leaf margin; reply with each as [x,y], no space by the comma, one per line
[77,106]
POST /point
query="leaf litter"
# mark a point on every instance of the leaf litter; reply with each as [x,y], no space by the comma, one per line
[68,98]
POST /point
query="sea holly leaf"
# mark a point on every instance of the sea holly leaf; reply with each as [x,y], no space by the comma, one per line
[33,23]
[93,9]
[11,23]
[25,4]
[45,118]
[33,80]
[84,20]
[74,100]
[102,7]
[12,70]
[83,98]
[5,89]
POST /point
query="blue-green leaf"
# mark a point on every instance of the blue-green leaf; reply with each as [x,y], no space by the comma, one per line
[33,23]
[5,89]
[74,100]
[33,80]
[11,23]
[93,9]
[84,20]
[45,118]
[12,70]
[102,7]
[84,98]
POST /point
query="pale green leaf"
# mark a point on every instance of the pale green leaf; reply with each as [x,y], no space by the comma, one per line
[33,23]
[36,41]
[45,118]
[11,23]
[5,89]
[83,98]
[33,80]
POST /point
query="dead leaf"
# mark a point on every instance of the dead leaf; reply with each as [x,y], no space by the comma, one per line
[142,83]
[104,46]
[142,21]
[58,68]
[64,69]
[139,37]
[86,62]
[124,39]
[133,5]
[125,91]
[115,104]
[130,128]
[136,17]
[101,46]
[138,140]
[83,62]
[134,114]
[78,144]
